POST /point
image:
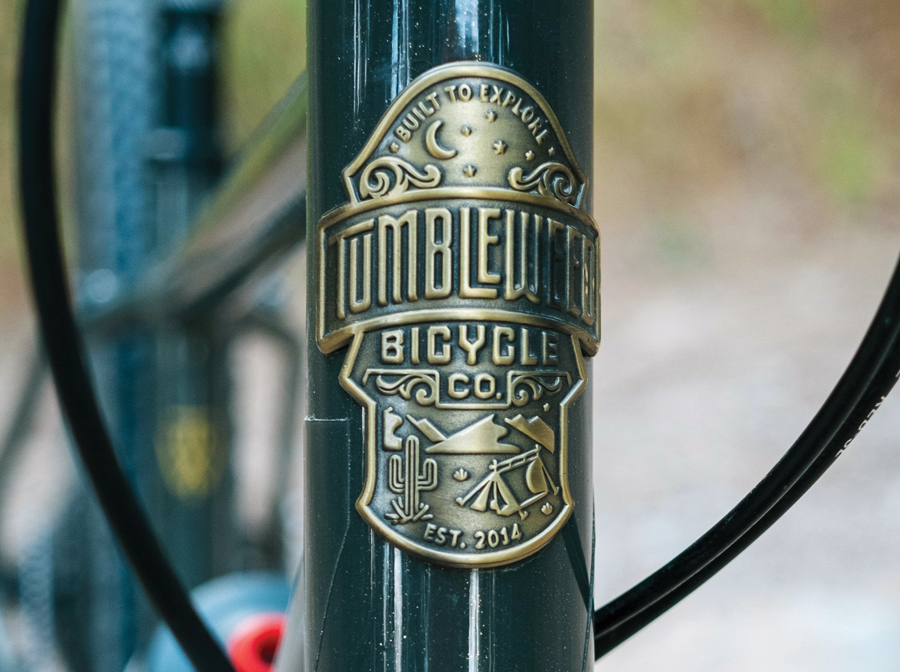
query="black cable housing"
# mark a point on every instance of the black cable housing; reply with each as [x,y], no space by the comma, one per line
[875,395]
[62,343]
[868,379]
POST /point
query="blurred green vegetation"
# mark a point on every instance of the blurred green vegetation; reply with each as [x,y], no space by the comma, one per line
[9,21]
[264,52]
[696,90]
[793,18]
[694,99]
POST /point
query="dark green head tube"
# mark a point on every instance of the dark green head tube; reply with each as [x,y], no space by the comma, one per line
[400,575]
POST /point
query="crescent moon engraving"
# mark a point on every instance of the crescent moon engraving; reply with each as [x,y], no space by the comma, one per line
[431,143]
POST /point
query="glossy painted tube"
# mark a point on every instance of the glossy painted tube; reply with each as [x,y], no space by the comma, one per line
[364,604]
[250,220]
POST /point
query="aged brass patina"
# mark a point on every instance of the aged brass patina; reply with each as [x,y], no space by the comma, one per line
[464,274]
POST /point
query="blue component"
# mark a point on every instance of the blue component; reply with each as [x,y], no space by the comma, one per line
[223,603]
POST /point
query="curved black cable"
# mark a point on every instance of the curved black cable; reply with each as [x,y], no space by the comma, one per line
[869,376]
[62,343]
[873,398]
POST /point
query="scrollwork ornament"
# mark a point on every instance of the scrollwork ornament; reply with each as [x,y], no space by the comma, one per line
[551,179]
[426,381]
[376,179]
[537,384]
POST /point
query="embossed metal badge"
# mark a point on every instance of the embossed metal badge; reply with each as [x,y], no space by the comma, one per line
[464,274]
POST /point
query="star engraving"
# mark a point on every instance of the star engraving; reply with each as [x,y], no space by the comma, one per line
[491,115]
[466,131]
[499,147]
[529,155]
[394,147]
[469,170]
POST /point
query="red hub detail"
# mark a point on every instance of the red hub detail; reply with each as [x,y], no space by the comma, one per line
[254,643]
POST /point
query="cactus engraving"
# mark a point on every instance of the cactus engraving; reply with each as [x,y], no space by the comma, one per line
[408,481]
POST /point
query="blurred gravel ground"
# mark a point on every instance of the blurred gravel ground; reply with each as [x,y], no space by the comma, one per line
[701,384]
[746,185]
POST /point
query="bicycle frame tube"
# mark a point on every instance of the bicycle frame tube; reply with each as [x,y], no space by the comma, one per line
[151,411]
[368,605]
[251,219]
